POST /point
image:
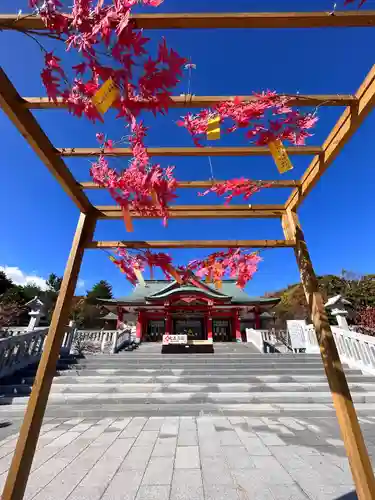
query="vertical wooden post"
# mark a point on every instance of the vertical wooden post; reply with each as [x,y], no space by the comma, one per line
[346,415]
[23,456]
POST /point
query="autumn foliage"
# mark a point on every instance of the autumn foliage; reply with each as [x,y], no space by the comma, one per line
[265,119]
[143,187]
[233,263]
[111,47]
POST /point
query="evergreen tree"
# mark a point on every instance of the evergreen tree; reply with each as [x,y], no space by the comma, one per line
[101,290]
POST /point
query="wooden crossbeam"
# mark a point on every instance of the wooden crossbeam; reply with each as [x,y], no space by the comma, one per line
[201,212]
[205,184]
[27,125]
[346,126]
[191,151]
[194,101]
[194,244]
[338,19]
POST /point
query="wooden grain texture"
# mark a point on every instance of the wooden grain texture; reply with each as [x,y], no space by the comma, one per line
[360,463]
[202,214]
[206,184]
[191,151]
[346,126]
[30,129]
[354,18]
[195,101]
[193,244]
[23,456]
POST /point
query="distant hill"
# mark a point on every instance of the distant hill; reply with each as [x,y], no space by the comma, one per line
[359,290]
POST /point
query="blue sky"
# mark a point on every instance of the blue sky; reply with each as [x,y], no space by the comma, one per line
[38,220]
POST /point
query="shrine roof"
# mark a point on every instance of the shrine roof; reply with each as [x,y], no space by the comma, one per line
[154,289]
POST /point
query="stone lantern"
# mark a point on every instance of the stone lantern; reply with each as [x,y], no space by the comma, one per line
[337,306]
[37,311]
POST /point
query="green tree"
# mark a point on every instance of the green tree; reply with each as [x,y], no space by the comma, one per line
[54,283]
[101,290]
[5,283]
[31,290]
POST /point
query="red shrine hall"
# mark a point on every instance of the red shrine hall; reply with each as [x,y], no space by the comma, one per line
[194,308]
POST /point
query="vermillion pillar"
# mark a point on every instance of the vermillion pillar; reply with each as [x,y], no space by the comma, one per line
[209,326]
[237,326]
[346,415]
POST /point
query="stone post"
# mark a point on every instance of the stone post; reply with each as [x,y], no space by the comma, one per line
[37,311]
[337,306]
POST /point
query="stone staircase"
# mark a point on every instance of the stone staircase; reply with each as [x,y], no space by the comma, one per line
[235,380]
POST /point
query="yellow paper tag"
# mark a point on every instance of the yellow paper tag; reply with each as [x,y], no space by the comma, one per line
[280,156]
[213,129]
[105,96]
[139,275]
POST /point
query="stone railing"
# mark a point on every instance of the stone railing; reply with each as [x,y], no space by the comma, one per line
[121,339]
[92,341]
[268,340]
[355,349]
[20,351]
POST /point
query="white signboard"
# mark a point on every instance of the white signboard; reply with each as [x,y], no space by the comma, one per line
[296,329]
[174,339]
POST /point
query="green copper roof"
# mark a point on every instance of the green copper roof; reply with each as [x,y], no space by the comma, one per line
[162,288]
[167,292]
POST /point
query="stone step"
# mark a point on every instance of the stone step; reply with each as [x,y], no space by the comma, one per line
[198,371]
[234,378]
[188,358]
[105,387]
[118,362]
[94,399]
[118,388]
[197,409]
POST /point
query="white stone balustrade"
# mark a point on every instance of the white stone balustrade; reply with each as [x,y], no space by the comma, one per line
[19,351]
[355,349]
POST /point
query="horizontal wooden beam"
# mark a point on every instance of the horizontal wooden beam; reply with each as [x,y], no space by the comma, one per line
[191,151]
[346,126]
[194,101]
[194,244]
[29,128]
[338,19]
[205,184]
[201,212]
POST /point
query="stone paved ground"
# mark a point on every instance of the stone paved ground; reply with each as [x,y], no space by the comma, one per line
[188,458]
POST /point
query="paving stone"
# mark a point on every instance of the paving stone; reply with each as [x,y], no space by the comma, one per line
[137,458]
[215,471]
[290,492]
[187,438]
[153,493]
[221,492]
[250,484]
[159,471]
[187,485]
[270,469]
[165,447]
[96,481]
[65,482]
[237,457]
[134,427]
[124,485]
[187,457]
[270,439]
[169,427]
[153,424]
[229,438]
[40,477]
[146,438]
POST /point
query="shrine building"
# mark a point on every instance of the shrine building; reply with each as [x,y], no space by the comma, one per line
[194,308]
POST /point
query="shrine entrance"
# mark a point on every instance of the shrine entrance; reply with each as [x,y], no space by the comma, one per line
[192,327]
[221,329]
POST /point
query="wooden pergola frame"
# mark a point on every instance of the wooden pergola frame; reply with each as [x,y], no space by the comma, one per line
[357,106]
